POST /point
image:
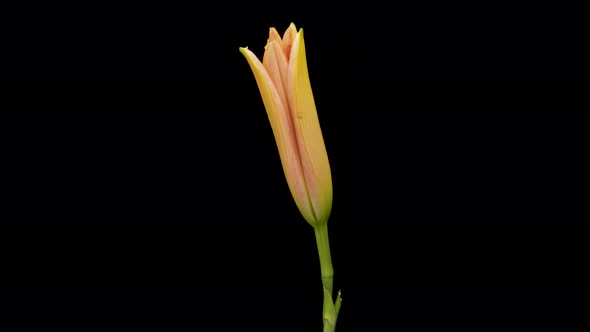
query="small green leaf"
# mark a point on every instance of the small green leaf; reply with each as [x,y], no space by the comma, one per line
[338,303]
[329,310]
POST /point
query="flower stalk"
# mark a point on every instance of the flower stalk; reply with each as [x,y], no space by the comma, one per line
[330,309]
[283,82]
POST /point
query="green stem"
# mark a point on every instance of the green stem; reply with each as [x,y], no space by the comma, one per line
[323,243]
[321,237]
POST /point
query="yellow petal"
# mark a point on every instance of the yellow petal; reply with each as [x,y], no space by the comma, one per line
[283,130]
[312,150]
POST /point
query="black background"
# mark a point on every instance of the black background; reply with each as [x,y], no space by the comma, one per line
[198,40]
[155,200]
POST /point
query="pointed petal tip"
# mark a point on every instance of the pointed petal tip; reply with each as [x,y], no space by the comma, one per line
[292,29]
[273,34]
[245,50]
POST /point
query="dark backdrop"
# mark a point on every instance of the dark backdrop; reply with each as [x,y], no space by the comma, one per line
[197,40]
[145,202]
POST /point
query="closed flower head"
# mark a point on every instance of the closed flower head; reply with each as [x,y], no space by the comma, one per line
[285,88]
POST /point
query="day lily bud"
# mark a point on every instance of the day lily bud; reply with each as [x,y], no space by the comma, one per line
[284,85]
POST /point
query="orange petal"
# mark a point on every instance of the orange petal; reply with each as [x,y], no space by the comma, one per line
[282,127]
[275,63]
[288,39]
[273,35]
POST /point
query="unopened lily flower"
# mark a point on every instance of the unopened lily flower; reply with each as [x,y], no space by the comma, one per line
[284,85]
